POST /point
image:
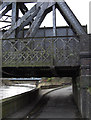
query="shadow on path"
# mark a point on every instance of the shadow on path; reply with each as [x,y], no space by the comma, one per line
[58,104]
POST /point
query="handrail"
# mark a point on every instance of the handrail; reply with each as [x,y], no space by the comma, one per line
[38,37]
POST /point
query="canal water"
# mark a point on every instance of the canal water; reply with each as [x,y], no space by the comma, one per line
[9,91]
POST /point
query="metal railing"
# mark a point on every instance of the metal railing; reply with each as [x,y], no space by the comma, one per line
[48,51]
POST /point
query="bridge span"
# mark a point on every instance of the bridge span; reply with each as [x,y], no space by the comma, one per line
[43,56]
[46,52]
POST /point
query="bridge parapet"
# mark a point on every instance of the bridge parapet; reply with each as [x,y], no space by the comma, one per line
[41,51]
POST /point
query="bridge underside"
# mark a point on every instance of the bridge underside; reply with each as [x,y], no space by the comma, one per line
[40,57]
[41,52]
[25,72]
[44,56]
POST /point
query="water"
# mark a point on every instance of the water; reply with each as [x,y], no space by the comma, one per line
[9,91]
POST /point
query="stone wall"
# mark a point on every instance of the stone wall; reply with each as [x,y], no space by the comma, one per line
[83,81]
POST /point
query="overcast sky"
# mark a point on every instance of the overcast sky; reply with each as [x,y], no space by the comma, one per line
[79,7]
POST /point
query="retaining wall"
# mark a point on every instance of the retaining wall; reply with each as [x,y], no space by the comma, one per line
[82,98]
[15,103]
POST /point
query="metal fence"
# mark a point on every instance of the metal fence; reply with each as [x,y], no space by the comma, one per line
[48,51]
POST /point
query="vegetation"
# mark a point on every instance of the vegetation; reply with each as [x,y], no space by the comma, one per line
[54,81]
[89,90]
[45,81]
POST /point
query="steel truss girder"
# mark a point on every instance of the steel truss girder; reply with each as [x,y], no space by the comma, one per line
[42,9]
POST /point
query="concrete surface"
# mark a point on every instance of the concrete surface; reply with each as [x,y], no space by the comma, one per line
[58,104]
[18,106]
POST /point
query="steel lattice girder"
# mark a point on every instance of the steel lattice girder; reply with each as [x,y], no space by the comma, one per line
[40,10]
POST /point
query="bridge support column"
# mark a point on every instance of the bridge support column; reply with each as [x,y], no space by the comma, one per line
[82,83]
[76,90]
[85,84]
[81,95]
[85,78]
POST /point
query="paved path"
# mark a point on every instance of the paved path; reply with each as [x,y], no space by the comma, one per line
[58,104]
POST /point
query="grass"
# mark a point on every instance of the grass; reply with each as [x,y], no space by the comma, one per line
[53,81]
[89,90]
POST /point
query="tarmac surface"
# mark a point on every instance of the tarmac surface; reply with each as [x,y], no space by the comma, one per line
[58,104]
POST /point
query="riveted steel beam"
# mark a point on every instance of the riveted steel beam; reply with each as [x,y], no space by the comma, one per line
[4,4]
[70,17]
[21,21]
[39,18]
[9,7]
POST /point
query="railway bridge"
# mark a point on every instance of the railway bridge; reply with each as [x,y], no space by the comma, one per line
[46,52]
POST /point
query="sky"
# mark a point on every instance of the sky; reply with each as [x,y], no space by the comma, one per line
[79,7]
